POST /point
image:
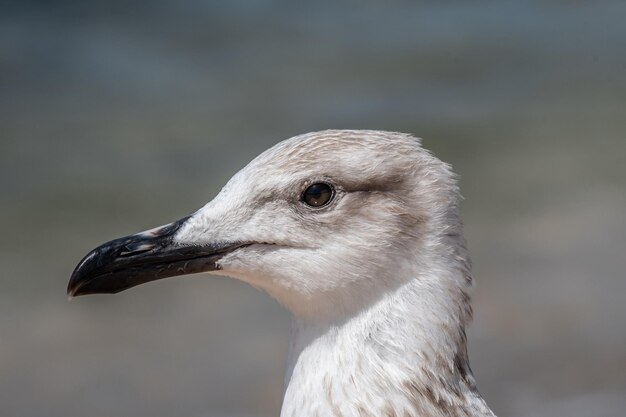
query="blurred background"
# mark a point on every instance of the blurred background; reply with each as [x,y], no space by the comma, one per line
[119,116]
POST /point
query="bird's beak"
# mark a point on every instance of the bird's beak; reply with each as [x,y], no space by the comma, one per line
[148,256]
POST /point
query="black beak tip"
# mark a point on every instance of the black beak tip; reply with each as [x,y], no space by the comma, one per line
[76,282]
[98,285]
[140,258]
[72,290]
[78,285]
[125,262]
[88,278]
[83,272]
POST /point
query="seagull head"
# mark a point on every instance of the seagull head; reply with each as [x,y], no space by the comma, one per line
[324,222]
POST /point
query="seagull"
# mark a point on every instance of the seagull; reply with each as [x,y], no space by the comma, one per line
[358,234]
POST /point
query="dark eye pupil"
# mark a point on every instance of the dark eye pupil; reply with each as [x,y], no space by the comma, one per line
[317,194]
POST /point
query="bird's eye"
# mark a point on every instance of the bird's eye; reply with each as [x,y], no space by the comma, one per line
[318,194]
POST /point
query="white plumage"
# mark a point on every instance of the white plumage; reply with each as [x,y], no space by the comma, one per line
[377,279]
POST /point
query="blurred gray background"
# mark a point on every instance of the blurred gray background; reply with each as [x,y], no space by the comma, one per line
[120,116]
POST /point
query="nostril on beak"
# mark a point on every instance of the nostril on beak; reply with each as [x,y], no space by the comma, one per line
[132,250]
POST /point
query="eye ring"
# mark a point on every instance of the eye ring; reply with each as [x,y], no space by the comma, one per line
[318,195]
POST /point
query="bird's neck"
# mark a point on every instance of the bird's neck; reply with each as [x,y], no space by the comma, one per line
[403,356]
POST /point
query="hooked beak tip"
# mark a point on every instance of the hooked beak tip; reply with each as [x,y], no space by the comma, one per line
[148,256]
